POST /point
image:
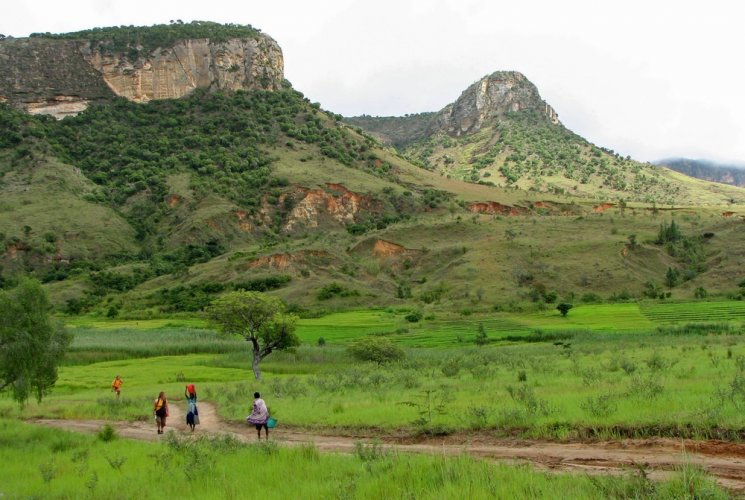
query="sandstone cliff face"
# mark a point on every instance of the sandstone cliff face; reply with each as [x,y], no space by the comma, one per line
[176,71]
[48,77]
[62,77]
[493,96]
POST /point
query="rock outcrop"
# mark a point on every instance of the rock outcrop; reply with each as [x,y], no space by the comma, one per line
[490,98]
[313,208]
[62,77]
[173,72]
[495,208]
[45,76]
[493,96]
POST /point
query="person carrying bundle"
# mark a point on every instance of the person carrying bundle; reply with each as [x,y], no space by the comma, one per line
[192,413]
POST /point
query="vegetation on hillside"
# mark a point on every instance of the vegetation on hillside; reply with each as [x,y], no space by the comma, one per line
[219,140]
[525,149]
[132,40]
[398,130]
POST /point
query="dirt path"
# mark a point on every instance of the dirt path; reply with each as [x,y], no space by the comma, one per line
[724,461]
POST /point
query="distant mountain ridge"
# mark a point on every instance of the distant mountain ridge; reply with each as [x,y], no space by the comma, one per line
[707,170]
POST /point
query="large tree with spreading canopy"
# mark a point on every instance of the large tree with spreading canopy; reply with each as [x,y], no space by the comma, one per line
[258,318]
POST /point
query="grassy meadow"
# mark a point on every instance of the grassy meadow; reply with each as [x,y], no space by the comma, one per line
[588,374]
[49,463]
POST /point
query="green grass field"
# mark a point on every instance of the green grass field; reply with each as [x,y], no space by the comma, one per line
[49,463]
[563,382]
[588,376]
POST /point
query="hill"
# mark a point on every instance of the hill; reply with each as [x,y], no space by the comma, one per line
[501,132]
[137,206]
[62,74]
[707,170]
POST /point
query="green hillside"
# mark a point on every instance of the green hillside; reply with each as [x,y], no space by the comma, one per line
[524,150]
[143,209]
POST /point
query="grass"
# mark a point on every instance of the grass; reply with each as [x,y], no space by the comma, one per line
[49,463]
[449,330]
[569,384]
[687,312]
[114,342]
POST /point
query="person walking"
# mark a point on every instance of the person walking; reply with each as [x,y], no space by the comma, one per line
[259,415]
[160,409]
[192,414]
[116,386]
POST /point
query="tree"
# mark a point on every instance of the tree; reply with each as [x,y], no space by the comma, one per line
[563,308]
[31,343]
[258,318]
[481,337]
[379,350]
[632,241]
[671,277]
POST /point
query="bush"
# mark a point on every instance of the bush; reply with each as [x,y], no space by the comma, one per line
[335,290]
[563,308]
[107,433]
[414,316]
[379,350]
[590,297]
[603,405]
[451,368]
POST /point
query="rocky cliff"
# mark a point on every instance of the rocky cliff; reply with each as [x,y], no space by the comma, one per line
[493,96]
[48,76]
[61,77]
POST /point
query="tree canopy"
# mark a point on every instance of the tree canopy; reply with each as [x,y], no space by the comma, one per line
[31,343]
[258,318]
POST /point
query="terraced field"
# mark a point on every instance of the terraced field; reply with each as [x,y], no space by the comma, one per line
[692,312]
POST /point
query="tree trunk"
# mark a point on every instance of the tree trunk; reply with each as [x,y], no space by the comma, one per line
[255,364]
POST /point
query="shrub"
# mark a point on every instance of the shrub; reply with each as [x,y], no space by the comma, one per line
[414,316]
[599,406]
[107,433]
[481,337]
[379,350]
[451,368]
[369,452]
[563,308]
[590,297]
[335,290]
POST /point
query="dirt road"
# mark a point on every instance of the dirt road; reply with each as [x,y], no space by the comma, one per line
[724,461]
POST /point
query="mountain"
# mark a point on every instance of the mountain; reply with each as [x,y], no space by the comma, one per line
[61,75]
[126,203]
[707,170]
[501,132]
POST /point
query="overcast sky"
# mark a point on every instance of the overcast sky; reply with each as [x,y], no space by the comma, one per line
[649,78]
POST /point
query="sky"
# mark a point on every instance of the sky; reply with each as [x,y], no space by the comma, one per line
[651,79]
